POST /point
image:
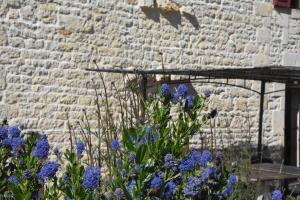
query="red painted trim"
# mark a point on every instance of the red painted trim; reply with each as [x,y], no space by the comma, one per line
[282,3]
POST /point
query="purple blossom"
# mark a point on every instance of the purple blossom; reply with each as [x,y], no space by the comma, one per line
[119,194]
[3,133]
[27,174]
[115,145]
[219,156]
[189,102]
[17,145]
[156,183]
[132,158]
[276,195]
[192,187]
[66,179]
[57,152]
[205,158]
[41,148]
[91,178]
[169,189]
[14,132]
[130,188]
[79,148]
[12,179]
[48,171]
[182,91]
[169,163]
[118,162]
[164,90]
[232,180]
[205,175]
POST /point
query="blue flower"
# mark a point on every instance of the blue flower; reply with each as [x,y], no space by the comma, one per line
[14,132]
[119,194]
[66,179]
[91,178]
[48,171]
[130,188]
[79,148]
[118,162]
[186,165]
[205,175]
[41,148]
[13,180]
[115,145]
[190,163]
[192,187]
[3,133]
[190,102]
[17,145]
[132,158]
[57,152]
[6,142]
[175,98]
[169,189]
[164,90]
[276,195]
[182,91]
[124,173]
[169,163]
[219,156]
[227,192]
[156,183]
[205,157]
[232,180]
[27,174]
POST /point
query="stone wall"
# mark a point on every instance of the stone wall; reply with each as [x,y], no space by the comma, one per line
[45,46]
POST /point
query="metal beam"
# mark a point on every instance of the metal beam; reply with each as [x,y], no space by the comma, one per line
[261,116]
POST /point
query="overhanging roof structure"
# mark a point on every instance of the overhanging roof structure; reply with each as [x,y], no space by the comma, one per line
[280,74]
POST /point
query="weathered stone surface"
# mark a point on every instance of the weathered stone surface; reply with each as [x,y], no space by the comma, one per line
[291,59]
[146,3]
[263,35]
[263,9]
[46,45]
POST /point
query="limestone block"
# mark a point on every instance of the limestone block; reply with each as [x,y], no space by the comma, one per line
[47,12]
[146,3]
[278,122]
[2,78]
[263,9]
[168,5]
[291,59]
[295,14]
[263,35]
[261,60]
[75,24]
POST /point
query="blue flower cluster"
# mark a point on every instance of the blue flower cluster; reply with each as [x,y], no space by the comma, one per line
[3,133]
[48,171]
[169,189]
[205,158]
[14,132]
[192,187]
[190,163]
[156,183]
[119,194]
[169,162]
[41,148]
[79,148]
[232,180]
[91,178]
[276,195]
[12,179]
[27,174]
[115,145]
[164,90]
[17,145]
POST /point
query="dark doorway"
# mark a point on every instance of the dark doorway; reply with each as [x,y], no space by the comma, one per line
[292,108]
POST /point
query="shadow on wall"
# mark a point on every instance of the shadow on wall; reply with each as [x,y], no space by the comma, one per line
[173,15]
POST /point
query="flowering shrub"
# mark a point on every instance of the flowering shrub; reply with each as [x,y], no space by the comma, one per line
[148,161]
[154,161]
[24,170]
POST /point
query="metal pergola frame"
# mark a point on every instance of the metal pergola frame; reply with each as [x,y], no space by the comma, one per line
[279,74]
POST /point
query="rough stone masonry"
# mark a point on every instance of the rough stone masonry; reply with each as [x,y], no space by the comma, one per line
[45,45]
